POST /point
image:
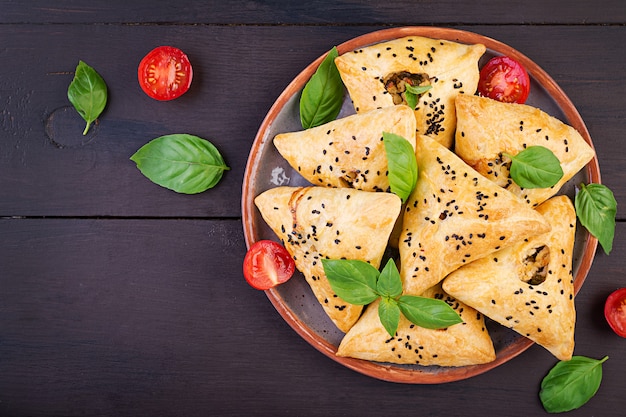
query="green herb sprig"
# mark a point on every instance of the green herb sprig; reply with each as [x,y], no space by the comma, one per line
[183,163]
[535,167]
[412,93]
[359,283]
[401,164]
[570,384]
[321,98]
[87,93]
[596,208]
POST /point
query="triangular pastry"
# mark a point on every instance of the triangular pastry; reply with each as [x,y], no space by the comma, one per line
[486,128]
[529,286]
[466,343]
[375,75]
[455,216]
[347,152]
[337,223]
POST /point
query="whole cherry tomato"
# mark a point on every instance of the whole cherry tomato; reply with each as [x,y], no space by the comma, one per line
[165,73]
[267,264]
[504,79]
[615,311]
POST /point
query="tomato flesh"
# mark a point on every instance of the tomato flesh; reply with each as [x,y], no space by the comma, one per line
[504,79]
[165,73]
[615,311]
[267,264]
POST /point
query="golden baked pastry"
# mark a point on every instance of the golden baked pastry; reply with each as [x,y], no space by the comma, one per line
[466,343]
[529,286]
[455,216]
[347,152]
[317,222]
[375,77]
[486,128]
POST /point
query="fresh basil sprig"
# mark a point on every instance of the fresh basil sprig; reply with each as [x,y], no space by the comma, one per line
[322,96]
[535,167]
[87,93]
[596,208]
[412,93]
[401,163]
[359,283]
[570,384]
[183,163]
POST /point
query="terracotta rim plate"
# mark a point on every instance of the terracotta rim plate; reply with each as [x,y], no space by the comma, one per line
[266,169]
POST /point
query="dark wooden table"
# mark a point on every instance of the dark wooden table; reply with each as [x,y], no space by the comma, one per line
[119,297]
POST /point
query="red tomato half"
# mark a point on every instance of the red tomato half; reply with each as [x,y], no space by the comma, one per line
[165,73]
[615,311]
[267,264]
[504,79]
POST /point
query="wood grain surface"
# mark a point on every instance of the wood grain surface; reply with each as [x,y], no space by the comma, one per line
[121,298]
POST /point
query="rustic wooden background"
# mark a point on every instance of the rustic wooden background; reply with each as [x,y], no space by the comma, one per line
[118,297]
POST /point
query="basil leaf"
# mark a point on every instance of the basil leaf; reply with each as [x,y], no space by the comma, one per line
[428,312]
[87,93]
[401,164]
[322,96]
[184,163]
[389,314]
[412,93]
[389,282]
[570,384]
[535,167]
[352,280]
[596,209]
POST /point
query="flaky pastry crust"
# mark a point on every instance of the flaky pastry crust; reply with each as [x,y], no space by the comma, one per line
[487,128]
[528,287]
[450,67]
[455,216]
[336,223]
[347,152]
[462,344]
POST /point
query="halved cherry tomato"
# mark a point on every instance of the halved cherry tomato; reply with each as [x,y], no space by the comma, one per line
[504,79]
[165,73]
[615,311]
[267,264]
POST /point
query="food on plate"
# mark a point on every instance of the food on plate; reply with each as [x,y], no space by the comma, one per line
[455,216]
[467,235]
[165,73]
[487,128]
[347,152]
[467,343]
[615,311]
[336,223]
[528,287]
[267,264]
[375,76]
[504,79]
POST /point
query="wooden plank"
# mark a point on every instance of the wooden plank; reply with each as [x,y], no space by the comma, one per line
[49,169]
[152,317]
[394,12]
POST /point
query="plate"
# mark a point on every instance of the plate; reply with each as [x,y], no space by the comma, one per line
[266,169]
